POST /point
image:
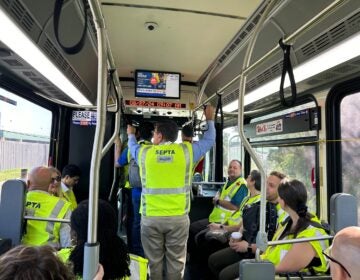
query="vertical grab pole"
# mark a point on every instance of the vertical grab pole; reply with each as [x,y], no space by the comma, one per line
[91,250]
[261,238]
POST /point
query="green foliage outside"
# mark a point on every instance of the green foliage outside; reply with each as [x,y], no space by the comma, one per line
[10,174]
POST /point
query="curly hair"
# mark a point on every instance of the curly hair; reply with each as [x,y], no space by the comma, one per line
[27,263]
[114,254]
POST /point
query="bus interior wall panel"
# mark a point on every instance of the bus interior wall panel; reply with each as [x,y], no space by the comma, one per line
[80,150]
[299,121]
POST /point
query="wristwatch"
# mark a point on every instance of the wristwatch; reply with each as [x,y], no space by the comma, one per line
[221,227]
[249,248]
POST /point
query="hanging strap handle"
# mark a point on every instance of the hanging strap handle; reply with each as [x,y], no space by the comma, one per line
[287,68]
[219,109]
[79,45]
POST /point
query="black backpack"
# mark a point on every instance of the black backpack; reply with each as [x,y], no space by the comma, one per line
[251,221]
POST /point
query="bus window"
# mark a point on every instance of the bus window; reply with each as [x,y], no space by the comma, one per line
[24,136]
[350,145]
[297,162]
[231,146]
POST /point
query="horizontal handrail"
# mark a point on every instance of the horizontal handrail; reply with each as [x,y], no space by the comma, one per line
[208,183]
[299,240]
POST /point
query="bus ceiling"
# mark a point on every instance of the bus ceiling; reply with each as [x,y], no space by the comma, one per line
[188,37]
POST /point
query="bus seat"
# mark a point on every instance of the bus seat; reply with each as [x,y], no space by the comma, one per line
[343,211]
[253,270]
[12,198]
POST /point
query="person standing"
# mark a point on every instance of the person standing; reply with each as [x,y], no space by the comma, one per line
[187,134]
[70,178]
[39,203]
[166,171]
[125,159]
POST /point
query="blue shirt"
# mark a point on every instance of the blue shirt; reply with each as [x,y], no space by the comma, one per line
[199,148]
[123,159]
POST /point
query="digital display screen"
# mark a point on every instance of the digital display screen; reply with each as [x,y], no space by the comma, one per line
[156,84]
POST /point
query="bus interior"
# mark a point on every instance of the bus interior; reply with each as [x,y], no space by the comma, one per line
[70,75]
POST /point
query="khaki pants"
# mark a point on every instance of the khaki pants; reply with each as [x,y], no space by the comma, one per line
[165,238]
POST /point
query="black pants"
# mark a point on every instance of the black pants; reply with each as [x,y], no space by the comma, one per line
[195,228]
[224,264]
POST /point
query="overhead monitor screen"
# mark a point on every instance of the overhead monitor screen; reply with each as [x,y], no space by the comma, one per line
[156,84]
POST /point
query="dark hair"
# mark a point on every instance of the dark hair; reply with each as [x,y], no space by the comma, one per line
[256,176]
[188,130]
[71,170]
[294,194]
[238,161]
[114,254]
[33,262]
[146,130]
[278,174]
[168,129]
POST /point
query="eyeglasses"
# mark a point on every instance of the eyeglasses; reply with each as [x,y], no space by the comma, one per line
[327,252]
[57,179]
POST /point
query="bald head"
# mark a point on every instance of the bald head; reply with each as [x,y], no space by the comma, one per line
[346,249]
[39,178]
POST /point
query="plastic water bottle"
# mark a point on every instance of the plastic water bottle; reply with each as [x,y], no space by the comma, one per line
[222,218]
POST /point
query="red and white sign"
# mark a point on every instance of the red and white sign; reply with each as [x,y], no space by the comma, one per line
[269,127]
[154,104]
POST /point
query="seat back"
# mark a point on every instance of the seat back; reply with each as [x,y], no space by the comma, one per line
[343,211]
[12,200]
[254,270]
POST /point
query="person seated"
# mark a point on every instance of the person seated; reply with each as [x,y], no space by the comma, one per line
[304,257]
[39,203]
[226,202]
[55,186]
[113,255]
[247,223]
[70,178]
[28,262]
[344,254]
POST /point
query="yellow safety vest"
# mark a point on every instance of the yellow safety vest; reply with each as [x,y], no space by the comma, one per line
[228,194]
[138,265]
[281,213]
[276,253]
[236,217]
[69,196]
[166,174]
[41,204]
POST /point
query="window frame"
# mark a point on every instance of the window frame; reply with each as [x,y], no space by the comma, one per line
[333,132]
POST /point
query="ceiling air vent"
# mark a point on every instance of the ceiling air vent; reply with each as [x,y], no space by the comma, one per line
[342,30]
[245,30]
[49,48]
[19,12]
[13,62]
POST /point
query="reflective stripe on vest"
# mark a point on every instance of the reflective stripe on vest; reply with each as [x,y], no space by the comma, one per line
[215,216]
[138,267]
[236,217]
[166,179]
[275,254]
[41,204]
